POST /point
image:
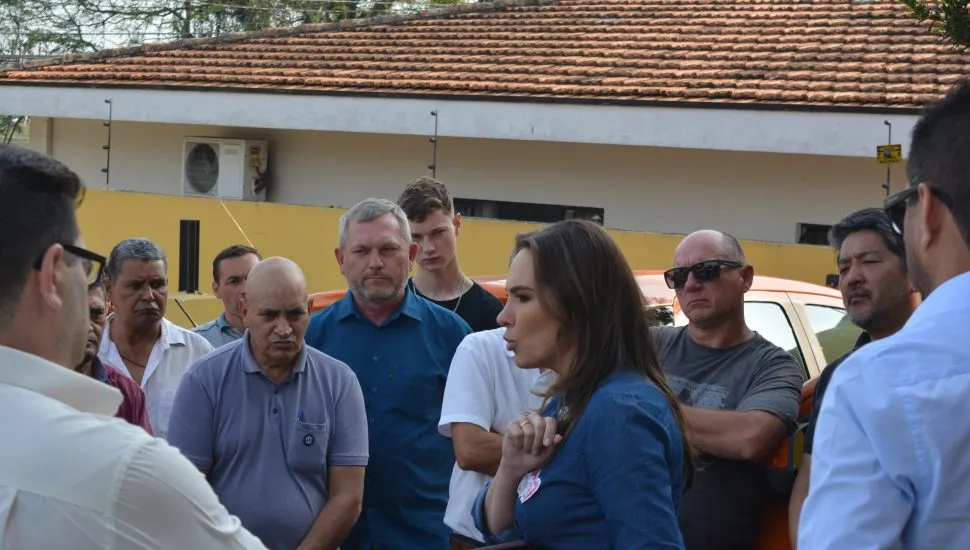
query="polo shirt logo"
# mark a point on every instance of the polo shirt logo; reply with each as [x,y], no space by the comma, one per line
[308,440]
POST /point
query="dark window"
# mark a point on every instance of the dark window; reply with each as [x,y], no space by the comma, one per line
[526,211]
[812,233]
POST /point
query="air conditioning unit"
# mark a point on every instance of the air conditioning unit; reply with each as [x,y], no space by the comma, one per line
[225,168]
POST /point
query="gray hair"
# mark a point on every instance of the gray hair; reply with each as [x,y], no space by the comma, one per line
[369,210]
[138,248]
[872,219]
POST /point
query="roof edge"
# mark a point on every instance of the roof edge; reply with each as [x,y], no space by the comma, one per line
[276,32]
[539,100]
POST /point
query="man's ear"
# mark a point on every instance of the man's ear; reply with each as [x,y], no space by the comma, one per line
[50,276]
[457,222]
[747,275]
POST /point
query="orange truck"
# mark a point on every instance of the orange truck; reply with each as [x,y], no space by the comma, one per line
[808,320]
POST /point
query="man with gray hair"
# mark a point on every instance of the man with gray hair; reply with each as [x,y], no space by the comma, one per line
[400,346]
[138,339]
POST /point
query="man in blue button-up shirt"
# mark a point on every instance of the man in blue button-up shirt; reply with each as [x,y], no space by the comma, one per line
[890,462]
[400,346]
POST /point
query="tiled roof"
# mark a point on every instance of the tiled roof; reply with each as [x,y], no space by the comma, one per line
[841,53]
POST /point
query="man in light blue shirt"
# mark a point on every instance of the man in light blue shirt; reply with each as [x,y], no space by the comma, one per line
[890,461]
[230,269]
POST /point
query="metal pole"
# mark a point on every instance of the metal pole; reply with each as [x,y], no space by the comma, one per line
[434,141]
[888,165]
[107,148]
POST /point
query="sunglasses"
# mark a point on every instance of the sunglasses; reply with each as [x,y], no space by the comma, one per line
[704,272]
[92,262]
[895,205]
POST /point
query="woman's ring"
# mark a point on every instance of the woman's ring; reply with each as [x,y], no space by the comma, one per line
[523,423]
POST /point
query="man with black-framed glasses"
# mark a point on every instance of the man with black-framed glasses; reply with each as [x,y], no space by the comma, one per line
[890,462]
[739,392]
[71,475]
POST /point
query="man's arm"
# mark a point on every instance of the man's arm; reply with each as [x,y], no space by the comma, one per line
[347,456]
[738,435]
[767,411]
[346,487]
[476,449]
[799,492]
[468,406]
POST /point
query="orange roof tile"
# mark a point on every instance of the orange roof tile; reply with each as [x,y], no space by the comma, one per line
[826,53]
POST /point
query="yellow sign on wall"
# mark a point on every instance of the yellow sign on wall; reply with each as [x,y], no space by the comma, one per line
[889,154]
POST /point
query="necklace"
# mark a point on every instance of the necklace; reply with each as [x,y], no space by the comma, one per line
[460,296]
[133,361]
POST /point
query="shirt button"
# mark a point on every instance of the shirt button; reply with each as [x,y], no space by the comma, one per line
[275,411]
[390,375]
[372,420]
[373,390]
[376,358]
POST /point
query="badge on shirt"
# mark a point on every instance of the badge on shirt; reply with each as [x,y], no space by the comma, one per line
[529,485]
[308,440]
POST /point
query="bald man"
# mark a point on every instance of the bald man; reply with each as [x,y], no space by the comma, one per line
[740,393]
[278,428]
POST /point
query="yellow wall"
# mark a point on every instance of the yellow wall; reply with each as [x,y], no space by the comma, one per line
[307,235]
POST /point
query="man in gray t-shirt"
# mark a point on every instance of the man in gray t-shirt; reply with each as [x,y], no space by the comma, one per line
[740,392]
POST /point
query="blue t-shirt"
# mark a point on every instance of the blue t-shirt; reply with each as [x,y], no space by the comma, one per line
[402,366]
[615,483]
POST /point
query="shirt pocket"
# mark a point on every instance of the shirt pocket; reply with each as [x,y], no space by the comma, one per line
[307,449]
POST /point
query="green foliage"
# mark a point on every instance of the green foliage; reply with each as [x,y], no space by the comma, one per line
[948,18]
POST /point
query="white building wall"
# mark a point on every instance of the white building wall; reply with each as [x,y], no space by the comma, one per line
[753,195]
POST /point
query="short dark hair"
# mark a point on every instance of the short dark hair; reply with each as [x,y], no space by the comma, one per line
[423,196]
[939,154]
[234,251]
[872,219]
[38,199]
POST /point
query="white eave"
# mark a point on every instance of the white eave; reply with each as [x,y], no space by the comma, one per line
[850,134]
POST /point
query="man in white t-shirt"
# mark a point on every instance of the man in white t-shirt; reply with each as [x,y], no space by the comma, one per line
[485,391]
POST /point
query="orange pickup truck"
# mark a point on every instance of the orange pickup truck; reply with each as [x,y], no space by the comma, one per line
[808,320]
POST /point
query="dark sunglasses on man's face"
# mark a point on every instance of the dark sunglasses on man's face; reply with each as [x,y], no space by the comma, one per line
[705,271]
[896,204]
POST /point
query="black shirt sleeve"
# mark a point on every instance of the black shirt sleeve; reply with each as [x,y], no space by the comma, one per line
[490,308]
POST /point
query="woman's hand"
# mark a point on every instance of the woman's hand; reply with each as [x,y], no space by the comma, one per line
[528,445]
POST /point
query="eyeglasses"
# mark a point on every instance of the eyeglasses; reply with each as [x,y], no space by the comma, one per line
[704,272]
[895,205]
[92,262]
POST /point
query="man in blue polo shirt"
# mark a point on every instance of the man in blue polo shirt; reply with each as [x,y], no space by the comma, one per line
[400,346]
[279,429]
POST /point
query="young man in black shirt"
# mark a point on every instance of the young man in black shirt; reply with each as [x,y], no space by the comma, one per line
[879,299]
[435,227]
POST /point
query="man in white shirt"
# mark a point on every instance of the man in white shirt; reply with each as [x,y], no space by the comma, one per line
[484,392]
[138,339]
[71,474]
[889,462]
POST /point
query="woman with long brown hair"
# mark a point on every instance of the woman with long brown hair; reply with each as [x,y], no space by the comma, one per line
[605,463]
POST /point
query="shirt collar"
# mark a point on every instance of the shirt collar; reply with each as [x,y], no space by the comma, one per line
[65,385]
[223,325]
[411,306]
[250,365]
[170,335]
[863,339]
[951,295]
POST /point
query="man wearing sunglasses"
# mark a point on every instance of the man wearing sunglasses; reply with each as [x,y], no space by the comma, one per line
[890,462]
[71,475]
[740,393]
